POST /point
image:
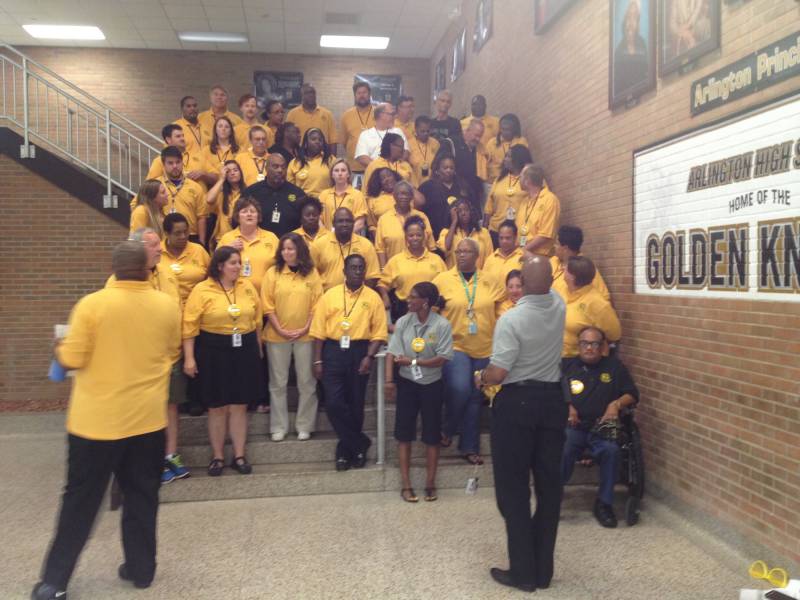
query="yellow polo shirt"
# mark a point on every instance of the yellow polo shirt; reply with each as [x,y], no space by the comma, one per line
[207,309]
[421,154]
[495,153]
[353,122]
[407,128]
[291,297]
[320,117]
[213,161]
[121,344]
[160,279]
[377,207]
[491,126]
[321,233]
[189,268]
[505,306]
[400,167]
[207,121]
[254,168]
[482,237]
[499,266]
[328,256]
[504,200]
[404,270]
[192,161]
[259,253]
[196,136]
[586,307]
[223,224]
[560,285]
[487,295]
[140,217]
[363,309]
[331,202]
[313,177]
[539,216]
[390,238]
[187,198]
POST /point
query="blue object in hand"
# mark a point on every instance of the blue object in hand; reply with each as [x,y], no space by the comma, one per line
[57,372]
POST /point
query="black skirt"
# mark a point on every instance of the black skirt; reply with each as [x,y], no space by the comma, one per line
[228,375]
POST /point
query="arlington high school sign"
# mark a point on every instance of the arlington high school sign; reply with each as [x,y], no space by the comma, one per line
[717,211]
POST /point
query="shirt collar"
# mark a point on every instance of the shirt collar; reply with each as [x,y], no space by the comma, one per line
[537,300]
[129,284]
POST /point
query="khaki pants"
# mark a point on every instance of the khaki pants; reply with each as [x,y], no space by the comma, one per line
[279,355]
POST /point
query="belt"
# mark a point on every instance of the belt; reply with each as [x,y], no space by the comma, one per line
[535,384]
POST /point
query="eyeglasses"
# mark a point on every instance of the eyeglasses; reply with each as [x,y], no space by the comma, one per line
[777,576]
[588,344]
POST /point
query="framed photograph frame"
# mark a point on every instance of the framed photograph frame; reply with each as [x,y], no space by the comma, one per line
[277,85]
[439,76]
[484,15]
[385,88]
[688,29]
[545,12]
[632,50]
[459,53]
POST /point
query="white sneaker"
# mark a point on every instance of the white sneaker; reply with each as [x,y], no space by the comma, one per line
[302,436]
[278,437]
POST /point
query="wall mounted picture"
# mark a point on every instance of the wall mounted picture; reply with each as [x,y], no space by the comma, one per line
[689,29]
[483,24]
[439,79]
[545,12]
[385,88]
[459,54]
[272,85]
[632,59]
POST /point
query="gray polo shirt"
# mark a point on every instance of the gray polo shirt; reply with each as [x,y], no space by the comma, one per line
[438,338]
[528,339]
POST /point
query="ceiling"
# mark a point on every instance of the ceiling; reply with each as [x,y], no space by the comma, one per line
[272,26]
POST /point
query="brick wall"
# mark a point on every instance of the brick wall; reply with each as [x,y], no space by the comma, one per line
[719,378]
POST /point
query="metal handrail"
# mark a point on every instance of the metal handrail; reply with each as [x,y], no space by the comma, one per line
[381,409]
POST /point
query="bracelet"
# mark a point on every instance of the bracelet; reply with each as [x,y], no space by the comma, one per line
[317,362]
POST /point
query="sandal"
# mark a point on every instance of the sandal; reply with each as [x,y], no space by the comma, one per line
[241,465]
[445,442]
[215,467]
[408,495]
[430,494]
[473,459]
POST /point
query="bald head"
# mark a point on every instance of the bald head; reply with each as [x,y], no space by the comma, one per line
[537,275]
[129,261]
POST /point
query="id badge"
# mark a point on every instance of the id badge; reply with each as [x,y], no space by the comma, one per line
[172,210]
[416,372]
[472,486]
[247,270]
[511,213]
[473,328]
[344,342]
[261,177]
[236,340]
[276,216]
[523,240]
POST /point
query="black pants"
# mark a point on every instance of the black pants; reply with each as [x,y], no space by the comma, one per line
[344,395]
[528,437]
[137,463]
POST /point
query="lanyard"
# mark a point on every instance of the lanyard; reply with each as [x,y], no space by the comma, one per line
[263,165]
[154,279]
[349,249]
[173,194]
[365,121]
[512,181]
[185,160]
[420,147]
[335,196]
[198,135]
[233,310]
[224,154]
[529,210]
[347,313]
[470,299]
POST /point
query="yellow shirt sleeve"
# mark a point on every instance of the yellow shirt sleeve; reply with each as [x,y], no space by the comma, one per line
[156,169]
[75,350]
[605,318]
[291,171]
[192,311]
[268,291]
[373,266]
[599,284]
[139,218]
[318,321]
[378,329]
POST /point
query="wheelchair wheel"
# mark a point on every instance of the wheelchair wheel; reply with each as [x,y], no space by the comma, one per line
[635,464]
[632,511]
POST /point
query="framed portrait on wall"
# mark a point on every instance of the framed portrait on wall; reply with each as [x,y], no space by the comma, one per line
[483,24]
[439,78]
[688,30]
[547,11]
[459,53]
[274,85]
[632,56]
[385,88]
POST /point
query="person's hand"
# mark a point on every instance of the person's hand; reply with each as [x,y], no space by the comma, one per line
[261,350]
[387,304]
[194,175]
[572,419]
[238,243]
[190,367]
[390,391]
[477,380]
[612,412]
[317,368]
[365,366]
[453,216]
[403,361]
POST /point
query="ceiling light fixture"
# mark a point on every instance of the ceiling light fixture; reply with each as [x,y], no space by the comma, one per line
[213,37]
[65,32]
[355,42]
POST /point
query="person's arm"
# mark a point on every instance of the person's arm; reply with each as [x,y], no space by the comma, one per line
[384,292]
[363,160]
[214,192]
[491,375]
[381,258]
[505,351]
[537,243]
[189,363]
[613,409]
[75,350]
[419,199]
[436,361]
[451,231]
[317,364]
[366,362]
[201,229]
[276,325]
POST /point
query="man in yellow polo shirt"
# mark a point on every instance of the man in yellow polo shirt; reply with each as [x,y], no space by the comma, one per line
[354,120]
[248,106]
[538,215]
[174,135]
[404,120]
[568,244]
[185,196]
[253,160]
[196,137]
[218,97]
[120,344]
[491,125]
[348,328]
[309,115]
[330,252]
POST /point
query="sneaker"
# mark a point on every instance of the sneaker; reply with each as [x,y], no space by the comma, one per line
[167,475]
[175,463]
[302,436]
[45,591]
[278,436]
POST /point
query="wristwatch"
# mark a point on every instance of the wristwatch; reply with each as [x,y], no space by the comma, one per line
[413,362]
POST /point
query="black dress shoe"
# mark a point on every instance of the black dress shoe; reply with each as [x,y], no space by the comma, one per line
[342,464]
[360,460]
[124,575]
[45,591]
[604,513]
[503,577]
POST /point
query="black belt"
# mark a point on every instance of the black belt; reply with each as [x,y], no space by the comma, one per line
[535,384]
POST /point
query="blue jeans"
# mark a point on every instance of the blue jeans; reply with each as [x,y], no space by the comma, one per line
[604,452]
[463,400]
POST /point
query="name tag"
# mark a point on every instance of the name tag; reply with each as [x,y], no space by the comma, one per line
[344,342]
[276,216]
[416,372]
[511,213]
[247,269]
[523,239]
[236,340]
[472,329]
[261,177]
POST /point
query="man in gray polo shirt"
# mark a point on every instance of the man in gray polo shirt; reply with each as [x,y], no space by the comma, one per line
[528,420]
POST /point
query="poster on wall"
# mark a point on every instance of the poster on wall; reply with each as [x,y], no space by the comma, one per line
[632,60]
[545,12]
[274,85]
[717,212]
[385,88]
[483,24]
[689,29]
[439,77]
[459,54]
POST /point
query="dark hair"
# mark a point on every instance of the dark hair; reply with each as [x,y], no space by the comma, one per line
[437,161]
[215,139]
[219,258]
[279,134]
[512,274]
[310,201]
[245,97]
[304,263]
[351,257]
[255,128]
[427,290]
[227,190]
[360,84]
[593,328]
[302,151]
[571,236]
[582,269]
[422,119]
[516,128]
[510,224]
[386,143]
[242,203]
[520,156]
[474,215]
[171,151]
[414,220]
[168,130]
[185,98]
[374,187]
[402,99]
[173,219]
[268,108]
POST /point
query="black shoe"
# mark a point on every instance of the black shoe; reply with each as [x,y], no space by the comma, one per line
[123,574]
[604,513]
[241,465]
[504,578]
[45,591]
[360,460]
[342,464]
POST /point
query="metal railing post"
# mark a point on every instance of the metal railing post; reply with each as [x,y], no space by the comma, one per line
[107,200]
[23,151]
[381,409]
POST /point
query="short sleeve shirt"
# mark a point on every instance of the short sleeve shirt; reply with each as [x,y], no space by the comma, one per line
[437,335]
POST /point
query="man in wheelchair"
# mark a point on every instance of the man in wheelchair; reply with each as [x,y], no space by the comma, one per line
[597,388]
